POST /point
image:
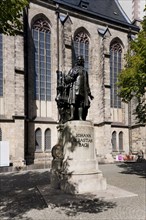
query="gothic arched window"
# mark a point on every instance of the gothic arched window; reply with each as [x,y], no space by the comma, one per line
[81,47]
[42,47]
[121,141]
[115,69]
[114,141]
[38,139]
[0,134]
[47,139]
[1,65]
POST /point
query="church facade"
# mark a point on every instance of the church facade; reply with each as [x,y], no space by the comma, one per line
[55,33]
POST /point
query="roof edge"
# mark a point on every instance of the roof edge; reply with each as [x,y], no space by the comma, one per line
[128,25]
[122,11]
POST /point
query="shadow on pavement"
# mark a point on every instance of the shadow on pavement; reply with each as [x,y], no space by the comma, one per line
[81,204]
[19,194]
[134,168]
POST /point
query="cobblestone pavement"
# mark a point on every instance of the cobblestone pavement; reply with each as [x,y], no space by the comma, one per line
[21,199]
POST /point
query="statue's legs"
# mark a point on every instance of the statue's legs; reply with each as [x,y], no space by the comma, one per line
[72,110]
[76,110]
[85,113]
[80,113]
[80,107]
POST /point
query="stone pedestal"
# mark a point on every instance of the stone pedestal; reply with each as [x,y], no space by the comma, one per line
[80,167]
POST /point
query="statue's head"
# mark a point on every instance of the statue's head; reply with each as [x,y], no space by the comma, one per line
[80,61]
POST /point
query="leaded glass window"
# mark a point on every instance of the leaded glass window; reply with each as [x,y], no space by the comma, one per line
[38,139]
[0,134]
[114,141]
[121,141]
[115,69]
[42,47]
[1,65]
[47,139]
[81,47]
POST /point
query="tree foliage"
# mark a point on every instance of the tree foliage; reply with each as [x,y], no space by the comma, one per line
[132,80]
[11,16]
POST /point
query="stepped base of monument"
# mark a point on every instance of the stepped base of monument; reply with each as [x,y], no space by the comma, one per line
[78,172]
[83,183]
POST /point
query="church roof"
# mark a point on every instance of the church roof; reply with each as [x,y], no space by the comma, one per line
[109,10]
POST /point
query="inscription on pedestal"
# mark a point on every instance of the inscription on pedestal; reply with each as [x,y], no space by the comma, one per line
[84,139]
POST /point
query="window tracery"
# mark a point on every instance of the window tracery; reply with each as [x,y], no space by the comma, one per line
[42,49]
[115,69]
[81,47]
[114,141]
[47,139]
[41,25]
[38,139]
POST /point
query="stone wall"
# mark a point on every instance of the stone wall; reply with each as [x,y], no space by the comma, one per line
[13,98]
